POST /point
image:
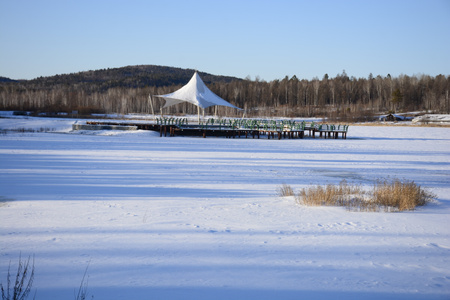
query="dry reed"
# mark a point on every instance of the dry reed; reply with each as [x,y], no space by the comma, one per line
[400,195]
[387,195]
[285,190]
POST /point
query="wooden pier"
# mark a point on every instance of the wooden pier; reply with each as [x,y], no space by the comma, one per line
[234,128]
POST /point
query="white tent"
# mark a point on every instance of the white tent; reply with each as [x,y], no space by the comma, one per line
[195,92]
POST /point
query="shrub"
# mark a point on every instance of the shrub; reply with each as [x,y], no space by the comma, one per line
[401,195]
[329,195]
[393,195]
[285,191]
[22,283]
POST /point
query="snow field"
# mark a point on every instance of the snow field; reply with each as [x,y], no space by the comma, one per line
[193,218]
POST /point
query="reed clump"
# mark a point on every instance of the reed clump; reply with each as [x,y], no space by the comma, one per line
[285,190]
[401,195]
[385,195]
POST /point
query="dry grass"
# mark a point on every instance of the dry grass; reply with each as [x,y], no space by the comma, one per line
[386,195]
[401,195]
[24,130]
[285,191]
[20,286]
[329,195]
[400,124]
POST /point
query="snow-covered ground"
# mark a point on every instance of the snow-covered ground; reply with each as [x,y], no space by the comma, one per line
[432,118]
[194,218]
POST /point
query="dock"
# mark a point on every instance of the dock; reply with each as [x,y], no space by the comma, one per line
[228,128]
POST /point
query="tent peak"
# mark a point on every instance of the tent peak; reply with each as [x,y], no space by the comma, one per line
[197,93]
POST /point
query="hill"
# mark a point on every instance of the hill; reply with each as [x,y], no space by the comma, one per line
[6,79]
[121,90]
[130,76]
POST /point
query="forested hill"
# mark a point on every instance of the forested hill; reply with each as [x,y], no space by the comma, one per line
[5,79]
[126,90]
[130,76]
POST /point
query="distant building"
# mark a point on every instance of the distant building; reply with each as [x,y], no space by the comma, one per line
[394,118]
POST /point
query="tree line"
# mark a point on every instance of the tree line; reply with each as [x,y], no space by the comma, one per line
[341,96]
[126,90]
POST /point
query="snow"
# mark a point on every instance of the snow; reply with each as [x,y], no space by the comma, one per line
[194,218]
[432,118]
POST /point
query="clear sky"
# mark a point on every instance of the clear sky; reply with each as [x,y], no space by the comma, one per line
[268,39]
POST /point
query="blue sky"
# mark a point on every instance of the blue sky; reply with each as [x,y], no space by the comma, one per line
[268,39]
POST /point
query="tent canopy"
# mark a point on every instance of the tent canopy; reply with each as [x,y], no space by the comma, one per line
[195,92]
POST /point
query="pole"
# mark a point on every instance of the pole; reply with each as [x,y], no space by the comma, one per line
[198,114]
[446,96]
[151,104]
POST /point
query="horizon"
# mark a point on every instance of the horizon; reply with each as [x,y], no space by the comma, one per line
[243,39]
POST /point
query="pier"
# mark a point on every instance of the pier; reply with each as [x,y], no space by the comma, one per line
[228,128]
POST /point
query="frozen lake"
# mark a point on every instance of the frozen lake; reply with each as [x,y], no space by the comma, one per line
[194,218]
